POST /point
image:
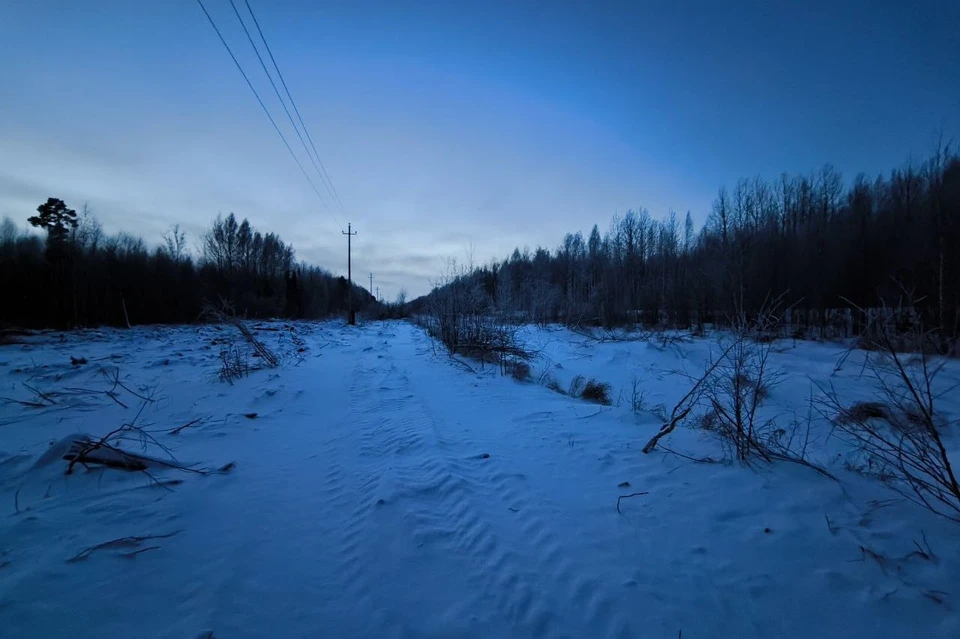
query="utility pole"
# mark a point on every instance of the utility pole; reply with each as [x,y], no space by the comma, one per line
[378,294]
[371,283]
[351,318]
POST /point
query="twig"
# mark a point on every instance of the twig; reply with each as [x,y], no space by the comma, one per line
[830,527]
[685,405]
[459,361]
[121,542]
[118,384]
[176,431]
[22,402]
[134,553]
[934,595]
[602,410]
[924,551]
[113,396]
[40,394]
[802,462]
[628,496]
[880,559]
[86,391]
[699,460]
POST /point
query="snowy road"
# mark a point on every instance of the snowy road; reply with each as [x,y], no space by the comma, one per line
[382,491]
[395,512]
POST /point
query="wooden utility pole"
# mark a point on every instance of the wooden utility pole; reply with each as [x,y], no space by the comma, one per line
[378,294]
[371,283]
[351,318]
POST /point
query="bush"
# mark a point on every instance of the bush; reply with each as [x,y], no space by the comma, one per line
[901,438]
[598,392]
[461,316]
[592,391]
[734,389]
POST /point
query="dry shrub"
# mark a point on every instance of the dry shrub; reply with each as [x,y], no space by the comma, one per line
[577,385]
[638,401]
[598,392]
[759,389]
[226,315]
[732,389]
[234,364]
[592,390]
[550,382]
[518,370]
[462,317]
[900,438]
[708,420]
[863,411]
[735,390]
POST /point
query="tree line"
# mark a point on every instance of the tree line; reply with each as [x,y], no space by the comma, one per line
[820,245]
[73,274]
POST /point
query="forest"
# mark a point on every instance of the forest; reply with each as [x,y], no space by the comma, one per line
[75,275]
[830,253]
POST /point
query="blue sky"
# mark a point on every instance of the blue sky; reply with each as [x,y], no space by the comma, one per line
[451,125]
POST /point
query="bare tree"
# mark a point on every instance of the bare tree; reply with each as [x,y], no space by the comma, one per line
[175,243]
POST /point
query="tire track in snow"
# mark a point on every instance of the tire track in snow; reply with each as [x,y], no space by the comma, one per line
[350,498]
[519,576]
[440,503]
[396,444]
[586,602]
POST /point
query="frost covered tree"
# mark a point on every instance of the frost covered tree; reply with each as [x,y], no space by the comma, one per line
[834,247]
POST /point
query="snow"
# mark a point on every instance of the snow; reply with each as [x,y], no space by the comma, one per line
[381,490]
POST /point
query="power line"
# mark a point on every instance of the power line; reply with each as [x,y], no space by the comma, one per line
[327,181]
[265,110]
[282,103]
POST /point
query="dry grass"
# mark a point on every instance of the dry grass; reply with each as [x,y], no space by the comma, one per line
[577,385]
[589,390]
[638,401]
[597,392]
[518,370]
[234,364]
[863,411]
[549,381]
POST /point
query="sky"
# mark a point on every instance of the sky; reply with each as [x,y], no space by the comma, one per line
[456,129]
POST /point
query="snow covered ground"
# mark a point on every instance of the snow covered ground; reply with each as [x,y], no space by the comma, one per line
[381,490]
